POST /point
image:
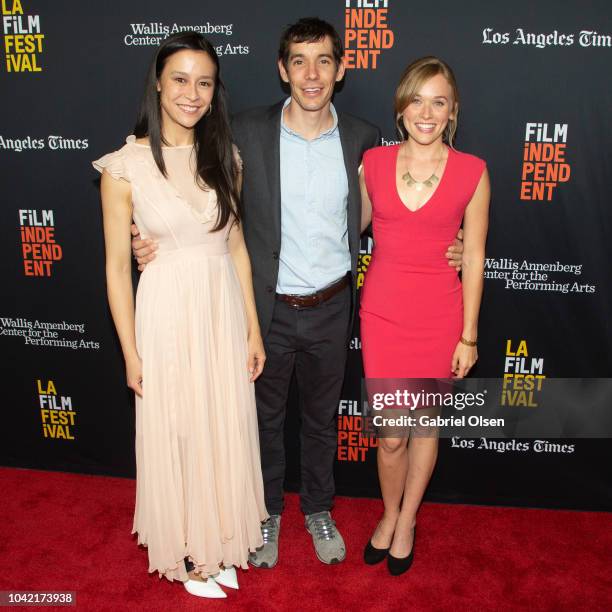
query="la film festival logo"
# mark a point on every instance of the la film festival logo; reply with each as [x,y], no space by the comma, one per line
[523,376]
[354,437]
[523,380]
[366,33]
[39,247]
[57,414]
[23,40]
[544,162]
[365,257]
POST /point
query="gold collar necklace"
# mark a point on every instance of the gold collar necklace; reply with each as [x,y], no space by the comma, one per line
[418,185]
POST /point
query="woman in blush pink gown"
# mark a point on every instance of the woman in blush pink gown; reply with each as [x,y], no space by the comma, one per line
[418,320]
[193,347]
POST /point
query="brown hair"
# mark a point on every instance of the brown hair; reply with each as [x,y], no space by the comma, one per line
[414,76]
[309,30]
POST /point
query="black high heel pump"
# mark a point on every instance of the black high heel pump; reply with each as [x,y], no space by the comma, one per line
[397,566]
[372,555]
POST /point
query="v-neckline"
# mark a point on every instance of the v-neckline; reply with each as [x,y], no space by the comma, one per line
[208,212]
[427,202]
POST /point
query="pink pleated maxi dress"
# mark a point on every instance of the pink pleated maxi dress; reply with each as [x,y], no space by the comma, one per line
[199,490]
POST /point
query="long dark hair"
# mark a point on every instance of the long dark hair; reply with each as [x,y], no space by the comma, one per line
[216,166]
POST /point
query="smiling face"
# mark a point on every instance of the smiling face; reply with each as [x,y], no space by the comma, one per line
[186,86]
[428,113]
[311,73]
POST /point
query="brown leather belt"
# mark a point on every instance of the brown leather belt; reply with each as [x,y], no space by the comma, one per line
[314,299]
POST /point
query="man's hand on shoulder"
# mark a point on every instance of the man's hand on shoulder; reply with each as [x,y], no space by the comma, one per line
[143,250]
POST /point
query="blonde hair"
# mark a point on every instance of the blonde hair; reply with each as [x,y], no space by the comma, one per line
[412,80]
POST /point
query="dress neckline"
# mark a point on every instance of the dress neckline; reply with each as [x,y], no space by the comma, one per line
[203,215]
[131,139]
[427,202]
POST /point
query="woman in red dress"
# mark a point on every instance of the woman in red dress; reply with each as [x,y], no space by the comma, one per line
[418,320]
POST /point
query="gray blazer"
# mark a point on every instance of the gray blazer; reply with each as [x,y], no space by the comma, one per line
[257,135]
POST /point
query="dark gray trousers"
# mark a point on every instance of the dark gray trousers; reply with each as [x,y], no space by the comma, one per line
[313,342]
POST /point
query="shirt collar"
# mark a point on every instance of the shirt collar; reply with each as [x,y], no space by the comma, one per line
[285,128]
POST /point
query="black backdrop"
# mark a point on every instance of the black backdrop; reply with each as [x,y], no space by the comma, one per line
[71,77]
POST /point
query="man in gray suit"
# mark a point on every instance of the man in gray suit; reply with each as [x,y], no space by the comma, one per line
[301,214]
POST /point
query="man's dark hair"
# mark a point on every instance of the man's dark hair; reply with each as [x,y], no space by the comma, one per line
[309,29]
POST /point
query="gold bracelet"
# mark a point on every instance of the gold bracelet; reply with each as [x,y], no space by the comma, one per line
[467,342]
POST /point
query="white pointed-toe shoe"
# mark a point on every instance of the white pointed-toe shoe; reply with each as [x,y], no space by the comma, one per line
[209,589]
[228,577]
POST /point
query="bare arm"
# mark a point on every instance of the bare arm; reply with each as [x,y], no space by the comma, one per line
[117,214]
[475,226]
[242,263]
[366,205]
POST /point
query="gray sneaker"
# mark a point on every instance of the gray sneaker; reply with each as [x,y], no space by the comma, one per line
[266,556]
[326,538]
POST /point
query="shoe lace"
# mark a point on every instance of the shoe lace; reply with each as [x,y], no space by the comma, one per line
[269,531]
[324,528]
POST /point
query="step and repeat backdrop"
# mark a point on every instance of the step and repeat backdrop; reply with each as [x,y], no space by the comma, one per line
[536,102]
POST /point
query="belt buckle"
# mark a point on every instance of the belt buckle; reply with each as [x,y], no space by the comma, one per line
[293,304]
[316,300]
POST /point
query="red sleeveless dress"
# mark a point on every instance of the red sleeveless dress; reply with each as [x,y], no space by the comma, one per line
[411,302]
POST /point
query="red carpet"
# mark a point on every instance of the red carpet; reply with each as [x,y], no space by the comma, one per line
[71,532]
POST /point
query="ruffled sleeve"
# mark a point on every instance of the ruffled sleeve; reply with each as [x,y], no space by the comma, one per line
[114,164]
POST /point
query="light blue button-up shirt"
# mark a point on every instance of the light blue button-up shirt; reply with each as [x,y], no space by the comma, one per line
[314,190]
